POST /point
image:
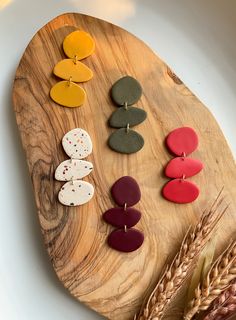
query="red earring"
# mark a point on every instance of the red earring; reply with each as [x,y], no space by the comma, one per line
[126,193]
[182,142]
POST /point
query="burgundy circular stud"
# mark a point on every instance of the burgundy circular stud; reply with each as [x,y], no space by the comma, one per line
[182,166]
[118,217]
[182,141]
[126,191]
[180,191]
[125,241]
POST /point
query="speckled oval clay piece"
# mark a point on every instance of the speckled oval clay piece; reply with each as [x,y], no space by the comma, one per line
[73,169]
[75,193]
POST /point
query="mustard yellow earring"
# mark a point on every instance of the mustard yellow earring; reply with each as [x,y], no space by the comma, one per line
[77,45]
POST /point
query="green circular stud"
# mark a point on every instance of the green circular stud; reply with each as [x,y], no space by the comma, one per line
[126,90]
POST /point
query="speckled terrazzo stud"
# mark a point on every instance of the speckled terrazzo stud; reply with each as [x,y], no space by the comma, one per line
[126,193]
[77,145]
[125,92]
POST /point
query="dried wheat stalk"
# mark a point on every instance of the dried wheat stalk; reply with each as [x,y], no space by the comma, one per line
[175,274]
[217,280]
[224,306]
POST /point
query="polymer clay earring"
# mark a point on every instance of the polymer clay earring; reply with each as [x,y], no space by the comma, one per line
[77,45]
[182,142]
[77,145]
[125,92]
[126,193]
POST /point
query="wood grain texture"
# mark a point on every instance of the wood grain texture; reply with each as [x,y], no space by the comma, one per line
[110,282]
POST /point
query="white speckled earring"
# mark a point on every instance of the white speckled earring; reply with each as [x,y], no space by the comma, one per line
[77,145]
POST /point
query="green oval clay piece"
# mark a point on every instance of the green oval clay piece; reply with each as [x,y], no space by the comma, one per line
[126,90]
[125,142]
[122,117]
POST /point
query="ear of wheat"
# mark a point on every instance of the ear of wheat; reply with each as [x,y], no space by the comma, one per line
[224,306]
[201,268]
[217,280]
[177,272]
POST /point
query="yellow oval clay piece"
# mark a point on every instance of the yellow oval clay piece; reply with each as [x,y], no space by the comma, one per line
[68,94]
[78,43]
[78,71]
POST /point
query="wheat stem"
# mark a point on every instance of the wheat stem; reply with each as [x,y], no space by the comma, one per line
[217,280]
[177,272]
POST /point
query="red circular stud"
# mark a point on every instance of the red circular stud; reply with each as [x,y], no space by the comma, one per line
[182,141]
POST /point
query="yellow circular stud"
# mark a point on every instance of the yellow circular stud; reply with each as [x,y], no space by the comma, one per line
[78,44]
[68,94]
[77,70]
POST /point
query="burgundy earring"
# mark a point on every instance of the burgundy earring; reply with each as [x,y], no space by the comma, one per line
[182,142]
[126,193]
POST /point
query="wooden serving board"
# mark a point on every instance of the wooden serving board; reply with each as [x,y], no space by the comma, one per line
[112,283]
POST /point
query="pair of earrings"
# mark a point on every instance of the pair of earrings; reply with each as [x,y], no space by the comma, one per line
[126,92]
[77,46]
[77,145]
[126,192]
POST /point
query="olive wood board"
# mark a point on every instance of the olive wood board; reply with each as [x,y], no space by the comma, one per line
[110,282]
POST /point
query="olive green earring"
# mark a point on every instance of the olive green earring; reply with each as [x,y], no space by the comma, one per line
[124,93]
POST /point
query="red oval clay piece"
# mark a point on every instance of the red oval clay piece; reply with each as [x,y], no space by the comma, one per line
[182,166]
[127,241]
[118,217]
[180,191]
[182,141]
[126,190]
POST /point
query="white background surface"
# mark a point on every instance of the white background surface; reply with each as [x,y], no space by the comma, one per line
[195,38]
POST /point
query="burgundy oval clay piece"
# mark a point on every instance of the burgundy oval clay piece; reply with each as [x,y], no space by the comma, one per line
[127,241]
[126,190]
[182,166]
[182,141]
[180,191]
[118,217]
